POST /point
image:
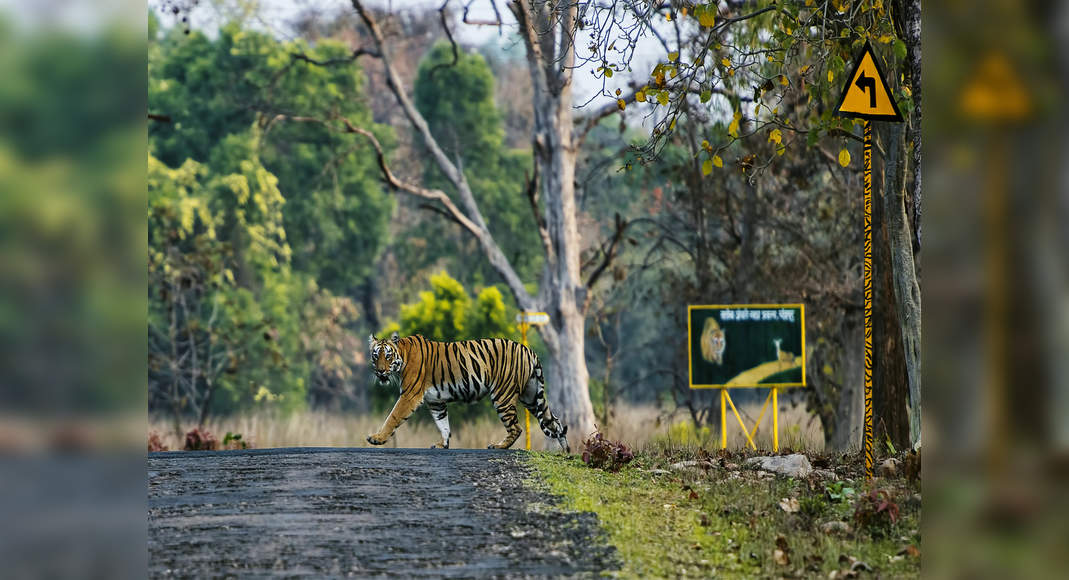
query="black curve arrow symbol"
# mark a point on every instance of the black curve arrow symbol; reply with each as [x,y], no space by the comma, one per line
[864,81]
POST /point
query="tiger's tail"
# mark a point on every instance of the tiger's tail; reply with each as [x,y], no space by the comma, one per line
[536,403]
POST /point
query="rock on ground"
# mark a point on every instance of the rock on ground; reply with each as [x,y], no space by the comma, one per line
[794,465]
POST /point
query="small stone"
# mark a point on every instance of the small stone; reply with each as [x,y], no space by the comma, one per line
[794,465]
[836,527]
[888,468]
[826,474]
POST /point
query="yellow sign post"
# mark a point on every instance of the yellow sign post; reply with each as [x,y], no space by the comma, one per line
[746,346]
[867,97]
[525,320]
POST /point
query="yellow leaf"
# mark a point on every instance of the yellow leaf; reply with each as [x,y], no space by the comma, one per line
[668,17]
[640,97]
[733,128]
[706,15]
[662,98]
[718,161]
[781,150]
[683,12]
[608,72]
[831,75]
[672,56]
[621,103]
[707,167]
[906,89]
[775,137]
[705,144]
[783,80]
[724,61]
[804,69]
[844,158]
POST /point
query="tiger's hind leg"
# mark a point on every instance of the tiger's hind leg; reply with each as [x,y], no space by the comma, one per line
[534,399]
[441,419]
[506,410]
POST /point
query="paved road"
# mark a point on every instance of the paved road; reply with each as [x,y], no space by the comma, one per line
[362,513]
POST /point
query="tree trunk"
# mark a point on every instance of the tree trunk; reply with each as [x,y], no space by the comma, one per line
[890,376]
[906,289]
[849,414]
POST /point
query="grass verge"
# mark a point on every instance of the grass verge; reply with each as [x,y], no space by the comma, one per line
[725,521]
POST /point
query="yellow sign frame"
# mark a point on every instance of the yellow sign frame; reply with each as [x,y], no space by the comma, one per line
[690,363]
[725,397]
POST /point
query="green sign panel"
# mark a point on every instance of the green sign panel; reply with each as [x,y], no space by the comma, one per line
[746,345]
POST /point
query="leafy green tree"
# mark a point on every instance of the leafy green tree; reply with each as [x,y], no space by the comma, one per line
[223,331]
[336,211]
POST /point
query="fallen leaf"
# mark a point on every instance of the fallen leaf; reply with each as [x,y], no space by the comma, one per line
[789,505]
[780,557]
[910,550]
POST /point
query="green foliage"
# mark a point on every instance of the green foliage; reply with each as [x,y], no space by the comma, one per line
[214,89]
[447,312]
[458,102]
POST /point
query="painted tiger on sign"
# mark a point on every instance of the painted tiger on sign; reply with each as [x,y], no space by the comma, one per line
[446,372]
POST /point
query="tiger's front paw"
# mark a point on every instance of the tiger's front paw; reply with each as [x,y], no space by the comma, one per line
[375,439]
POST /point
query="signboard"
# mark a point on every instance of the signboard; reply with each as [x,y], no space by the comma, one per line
[866,95]
[746,345]
[532,318]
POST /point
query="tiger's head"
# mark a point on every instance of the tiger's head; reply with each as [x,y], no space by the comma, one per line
[385,357]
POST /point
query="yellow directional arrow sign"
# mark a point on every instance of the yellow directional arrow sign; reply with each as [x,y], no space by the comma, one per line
[866,94]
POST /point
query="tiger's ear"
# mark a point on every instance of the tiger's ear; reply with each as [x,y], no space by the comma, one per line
[371,341]
[395,338]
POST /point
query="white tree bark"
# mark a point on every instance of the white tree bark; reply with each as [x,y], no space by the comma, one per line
[547,30]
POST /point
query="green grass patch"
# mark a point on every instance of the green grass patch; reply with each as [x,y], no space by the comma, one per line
[728,522]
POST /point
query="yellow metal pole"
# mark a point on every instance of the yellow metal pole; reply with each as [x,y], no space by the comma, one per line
[526,413]
[745,431]
[775,419]
[723,418]
[868,298]
[761,415]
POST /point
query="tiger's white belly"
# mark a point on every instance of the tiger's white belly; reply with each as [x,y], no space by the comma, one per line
[474,390]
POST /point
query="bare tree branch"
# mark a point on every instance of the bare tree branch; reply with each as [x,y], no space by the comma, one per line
[452,41]
[357,53]
[531,189]
[493,252]
[609,254]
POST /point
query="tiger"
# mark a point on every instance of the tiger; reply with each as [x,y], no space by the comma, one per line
[713,341]
[438,372]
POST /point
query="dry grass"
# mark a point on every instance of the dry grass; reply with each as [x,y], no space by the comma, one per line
[637,426]
[331,429]
[640,426]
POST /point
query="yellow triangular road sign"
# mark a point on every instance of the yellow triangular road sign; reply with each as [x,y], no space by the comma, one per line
[865,94]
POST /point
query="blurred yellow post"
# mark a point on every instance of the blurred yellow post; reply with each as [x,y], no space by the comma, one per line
[775,419]
[525,320]
[723,418]
[526,414]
